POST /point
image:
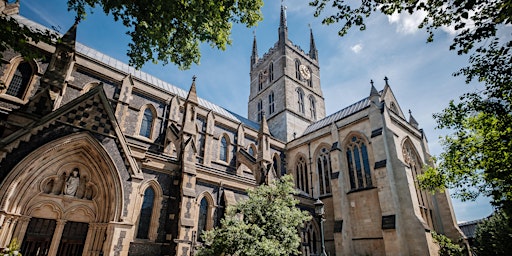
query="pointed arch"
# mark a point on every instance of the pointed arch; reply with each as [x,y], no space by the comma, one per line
[413,160]
[271,103]
[276,164]
[89,86]
[297,69]
[312,106]
[22,187]
[224,146]
[302,179]
[19,79]
[300,100]
[358,161]
[205,212]
[271,71]
[150,203]
[323,169]
[252,150]
[260,110]
[147,121]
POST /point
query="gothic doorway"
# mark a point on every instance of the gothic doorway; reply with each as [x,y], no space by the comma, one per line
[38,237]
[73,239]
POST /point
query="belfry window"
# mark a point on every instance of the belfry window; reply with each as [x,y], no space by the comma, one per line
[260,81]
[146,124]
[297,70]
[20,80]
[323,162]
[271,72]
[300,96]
[358,164]
[312,107]
[260,110]
[271,103]
[145,213]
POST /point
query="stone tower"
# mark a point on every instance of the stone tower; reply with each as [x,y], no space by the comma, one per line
[285,86]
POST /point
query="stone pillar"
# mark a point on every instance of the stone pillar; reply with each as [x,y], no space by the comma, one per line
[21,228]
[54,246]
[7,229]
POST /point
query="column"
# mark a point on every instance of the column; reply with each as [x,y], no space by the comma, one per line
[54,247]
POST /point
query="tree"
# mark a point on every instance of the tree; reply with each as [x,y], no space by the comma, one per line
[476,158]
[446,246]
[161,30]
[267,223]
[493,236]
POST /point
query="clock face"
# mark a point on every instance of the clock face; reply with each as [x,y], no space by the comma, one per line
[304,72]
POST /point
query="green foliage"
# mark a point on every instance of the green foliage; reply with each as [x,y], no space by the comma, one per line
[477,155]
[265,224]
[160,30]
[493,236]
[446,246]
[12,249]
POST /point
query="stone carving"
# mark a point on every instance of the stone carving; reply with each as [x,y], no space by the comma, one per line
[72,183]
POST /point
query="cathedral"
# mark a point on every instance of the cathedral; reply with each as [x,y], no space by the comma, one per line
[98,158]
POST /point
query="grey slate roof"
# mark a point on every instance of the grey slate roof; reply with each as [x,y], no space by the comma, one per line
[153,81]
[352,109]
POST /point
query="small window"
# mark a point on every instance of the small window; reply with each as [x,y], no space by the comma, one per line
[260,81]
[203,217]
[310,80]
[20,80]
[358,164]
[271,107]
[223,154]
[145,214]
[260,110]
[146,123]
[300,96]
[271,72]
[297,70]
[312,107]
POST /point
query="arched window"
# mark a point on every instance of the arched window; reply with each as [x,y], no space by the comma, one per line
[271,103]
[260,81]
[20,80]
[323,164]
[223,149]
[297,70]
[271,72]
[260,110]
[310,242]
[202,219]
[146,124]
[412,159]
[300,96]
[310,80]
[302,175]
[358,164]
[145,214]
[251,151]
[312,107]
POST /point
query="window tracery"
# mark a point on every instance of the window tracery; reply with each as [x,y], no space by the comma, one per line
[323,162]
[359,171]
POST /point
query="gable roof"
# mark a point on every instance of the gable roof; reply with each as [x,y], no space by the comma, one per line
[145,77]
[343,113]
[91,112]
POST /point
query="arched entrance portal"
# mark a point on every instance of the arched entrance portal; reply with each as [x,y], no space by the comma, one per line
[62,199]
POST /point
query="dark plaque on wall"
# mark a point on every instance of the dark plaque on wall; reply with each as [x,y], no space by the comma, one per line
[388,222]
[338,226]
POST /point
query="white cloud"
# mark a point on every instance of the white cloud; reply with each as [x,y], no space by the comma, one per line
[407,23]
[357,48]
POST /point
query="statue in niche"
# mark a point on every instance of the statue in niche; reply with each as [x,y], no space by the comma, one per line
[72,183]
[59,184]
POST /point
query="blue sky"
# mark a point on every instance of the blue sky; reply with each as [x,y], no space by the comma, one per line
[420,74]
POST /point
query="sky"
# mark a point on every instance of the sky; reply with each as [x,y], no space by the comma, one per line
[420,73]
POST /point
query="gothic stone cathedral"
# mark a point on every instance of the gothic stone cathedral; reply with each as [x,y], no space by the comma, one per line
[97,158]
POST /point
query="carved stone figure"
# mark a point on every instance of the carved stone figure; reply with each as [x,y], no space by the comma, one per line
[72,183]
